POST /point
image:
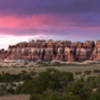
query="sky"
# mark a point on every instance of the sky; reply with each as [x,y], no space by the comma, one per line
[24,20]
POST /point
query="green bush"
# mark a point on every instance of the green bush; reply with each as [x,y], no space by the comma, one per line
[51,85]
[51,79]
[69,96]
[79,89]
[96,71]
[36,97]
[53,96]
[87,72]
[94,96]
[78,73]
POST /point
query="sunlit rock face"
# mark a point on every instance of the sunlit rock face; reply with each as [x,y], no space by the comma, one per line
[52,50]
[96,51]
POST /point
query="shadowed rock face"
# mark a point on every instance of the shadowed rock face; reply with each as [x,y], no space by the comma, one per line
[52,50]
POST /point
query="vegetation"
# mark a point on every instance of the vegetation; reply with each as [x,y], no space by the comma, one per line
[51,85]
[78,73]
[87,72]
[96,71]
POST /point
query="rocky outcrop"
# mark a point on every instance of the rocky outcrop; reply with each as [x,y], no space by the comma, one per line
[52,50]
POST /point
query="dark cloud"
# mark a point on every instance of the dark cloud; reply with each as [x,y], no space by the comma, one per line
[28,7]
[70,17]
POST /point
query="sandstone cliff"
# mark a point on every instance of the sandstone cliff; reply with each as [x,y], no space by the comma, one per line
[52,50]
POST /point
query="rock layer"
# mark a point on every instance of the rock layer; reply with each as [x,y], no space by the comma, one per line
[52,50]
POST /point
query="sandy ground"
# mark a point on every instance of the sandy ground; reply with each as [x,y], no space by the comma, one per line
[66,68]
[17,97]
[71,68]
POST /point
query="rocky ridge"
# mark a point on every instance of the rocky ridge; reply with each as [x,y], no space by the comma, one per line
[52,50]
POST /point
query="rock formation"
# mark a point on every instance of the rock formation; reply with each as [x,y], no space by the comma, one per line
[52,50]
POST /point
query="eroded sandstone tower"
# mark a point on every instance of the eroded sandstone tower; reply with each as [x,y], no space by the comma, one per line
[52,50]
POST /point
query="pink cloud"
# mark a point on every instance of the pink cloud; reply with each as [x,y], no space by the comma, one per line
[40,22]
[29,21]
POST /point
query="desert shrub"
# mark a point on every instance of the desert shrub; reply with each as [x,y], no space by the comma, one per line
[51,79]
[69,96]
[94,96]
[4,90]
[57,79]
[56,64]
[93,82]
[87,72]
[78,73]
[2,93]
[6,77]
[4,66]
[25,63]
[79,89]
[23,66]
[53,96]
[45,64]
[96,71]
[36,97]
[51,85]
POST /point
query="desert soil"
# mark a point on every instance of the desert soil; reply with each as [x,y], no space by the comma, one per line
[17,97]
[66,68]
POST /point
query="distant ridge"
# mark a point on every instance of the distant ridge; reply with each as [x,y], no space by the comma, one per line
[42,50]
